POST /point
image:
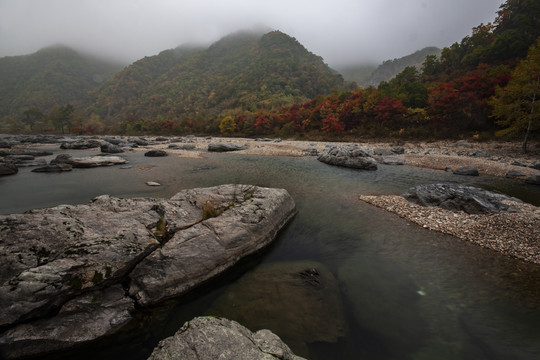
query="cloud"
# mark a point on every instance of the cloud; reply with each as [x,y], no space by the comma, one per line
[338,30]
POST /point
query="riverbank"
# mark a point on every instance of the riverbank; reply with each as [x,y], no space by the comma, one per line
[491,158]
[515,234]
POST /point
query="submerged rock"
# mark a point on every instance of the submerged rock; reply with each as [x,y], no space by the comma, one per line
[457,197]
[352,156]
[61,286]
[301,302]
[209,338]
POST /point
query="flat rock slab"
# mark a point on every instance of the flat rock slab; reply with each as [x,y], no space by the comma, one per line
[352,156]
[206,249]
[457,197]
[88,161]
[224,147]
[61,268]
[210,338]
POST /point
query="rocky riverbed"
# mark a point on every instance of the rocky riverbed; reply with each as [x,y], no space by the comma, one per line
[72,274]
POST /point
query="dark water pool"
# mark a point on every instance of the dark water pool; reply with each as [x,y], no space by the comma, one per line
[391,290]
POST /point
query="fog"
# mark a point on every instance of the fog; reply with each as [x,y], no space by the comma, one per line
[341,31]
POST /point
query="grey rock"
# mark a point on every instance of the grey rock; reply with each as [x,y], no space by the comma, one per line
[519,163]
[182,147]
[8,169]
[457,197]
[224,147]
[467,171]
[26,152]
[263,139]
[81,145]
[139,141]
[156,153]
[60,287]
[210,247]
[209,338]
[69,250]
[535,165]
[88,161]
[398,150]
[152,183]
[84,319]
[462,143]
[479,153]
[533,179]
[391,160]
[162,138]
[54,168]
[310,152]
[109,148]
[382,151]
[512,174]
[352,156]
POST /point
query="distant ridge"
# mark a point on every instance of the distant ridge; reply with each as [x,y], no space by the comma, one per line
[243,71]
[54,75]
[373,76]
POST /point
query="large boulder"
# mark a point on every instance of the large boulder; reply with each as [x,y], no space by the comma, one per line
[209,338]
[208,248]
[62,269]
[458,197]
[352,156]
[224,147]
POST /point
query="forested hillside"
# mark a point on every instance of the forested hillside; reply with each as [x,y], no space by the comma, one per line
[52,76]
[487,84]
[243,71]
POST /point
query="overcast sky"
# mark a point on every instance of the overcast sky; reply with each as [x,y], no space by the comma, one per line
[340,31]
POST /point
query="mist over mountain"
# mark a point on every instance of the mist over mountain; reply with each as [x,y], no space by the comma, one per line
[53,75]
[244,70]
[371,75]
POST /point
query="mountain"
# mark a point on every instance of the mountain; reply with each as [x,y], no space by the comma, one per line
[55,75]
[242,71]
[388,69]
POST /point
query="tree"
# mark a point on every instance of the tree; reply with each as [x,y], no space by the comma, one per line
[515,106]
[227,126]
[32,116]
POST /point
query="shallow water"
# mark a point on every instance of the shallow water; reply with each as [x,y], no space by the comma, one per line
[403,292]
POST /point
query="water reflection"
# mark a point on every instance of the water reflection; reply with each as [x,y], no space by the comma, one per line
[401,291]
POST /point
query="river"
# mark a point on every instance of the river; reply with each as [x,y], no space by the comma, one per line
[388,289]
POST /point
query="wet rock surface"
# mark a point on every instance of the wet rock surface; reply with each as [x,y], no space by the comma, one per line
[456,197]
[352,156]
[65,266]
[209,338]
